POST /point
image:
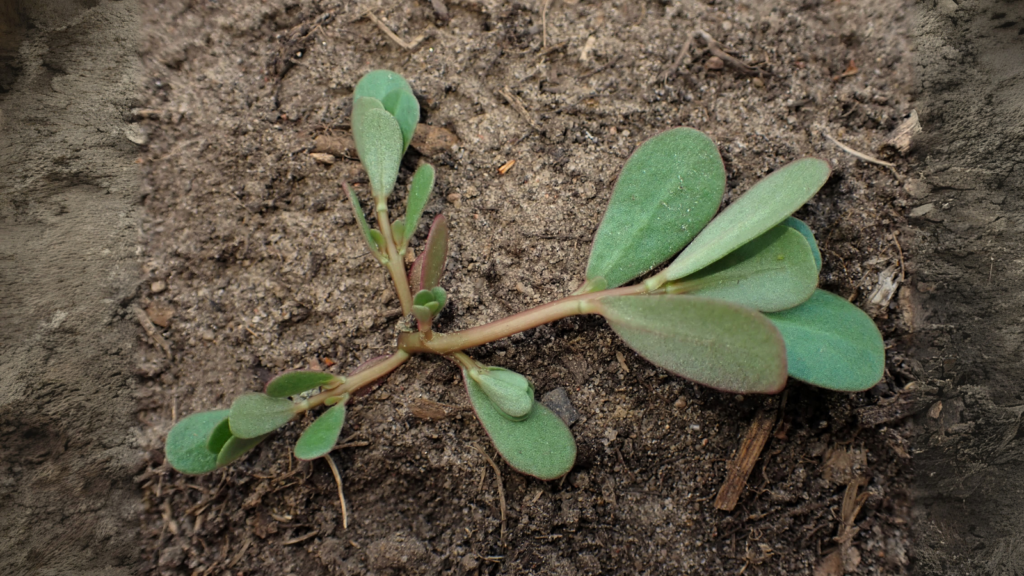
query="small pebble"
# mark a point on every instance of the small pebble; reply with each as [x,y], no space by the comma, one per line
[158,287]
[715,63]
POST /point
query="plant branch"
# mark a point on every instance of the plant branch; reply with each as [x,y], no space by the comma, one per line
[454,342]
[358,380]
[395,264]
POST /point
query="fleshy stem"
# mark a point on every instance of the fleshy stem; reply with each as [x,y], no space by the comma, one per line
[395,264]
[354,382]
[415,343]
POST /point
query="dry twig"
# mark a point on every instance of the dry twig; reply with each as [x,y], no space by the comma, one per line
[717,50]
[394,37]
[678,62]
[861,155]
[516,103]
[151,330]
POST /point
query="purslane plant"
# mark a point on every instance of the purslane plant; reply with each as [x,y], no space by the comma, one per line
[737,308]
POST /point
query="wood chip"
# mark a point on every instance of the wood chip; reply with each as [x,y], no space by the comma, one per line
[322,158]
[151,330]
[861,155]
[337,146]
[743,463]
[516,103]
[506,167]
[902,138]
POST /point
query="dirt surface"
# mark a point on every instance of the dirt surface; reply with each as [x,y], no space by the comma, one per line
[69,211]
[967,236]
[254,263]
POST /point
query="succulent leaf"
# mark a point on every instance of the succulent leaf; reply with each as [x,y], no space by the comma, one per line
[772,272]
[511,392]
[321,436]
[801,227]
[669,189]
[218,436]
[186,446]
[372,240]
[292,383]
[406,110]
[715,343]
[379,83]
[379,144]
[539,445]
[419,193]
[428,268]
[237,447]
[766,204]
[831,343]
[256,414]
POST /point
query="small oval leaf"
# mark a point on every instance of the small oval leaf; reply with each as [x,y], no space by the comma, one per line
[357,211]
[715,343]
[186,443]
[831,343]
[419,192]
[540,445]
[428,268]
[218,436]
[321,436]
[669,189]
[379,83]
[292,383]
[511,392]
[758,210]
[256,414]
[406,110]
[775,271]
[803,228]
[236,447]
[379,144]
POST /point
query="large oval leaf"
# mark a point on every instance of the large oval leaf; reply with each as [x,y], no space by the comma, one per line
[715,343]
[321,436]
[766,204]
[775,271]
[539,445]
[256,414]
[379,144]
[292,383]
[669,189]
[831,343]
[186,443]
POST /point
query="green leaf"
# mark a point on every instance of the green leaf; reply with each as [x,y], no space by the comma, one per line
[406,109]
[428,268]
[719,344]
[398,230]
[540,445]
[219,436]
[668,190]
[256,414]
[357,211]
[766,204]
[419,192]
[831,343]
[379,144]
[440,296]
[292,383]
[379,83]
[321,436]
[236,447]
[804,229]
[511,392]
[775,271]
[186,443]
